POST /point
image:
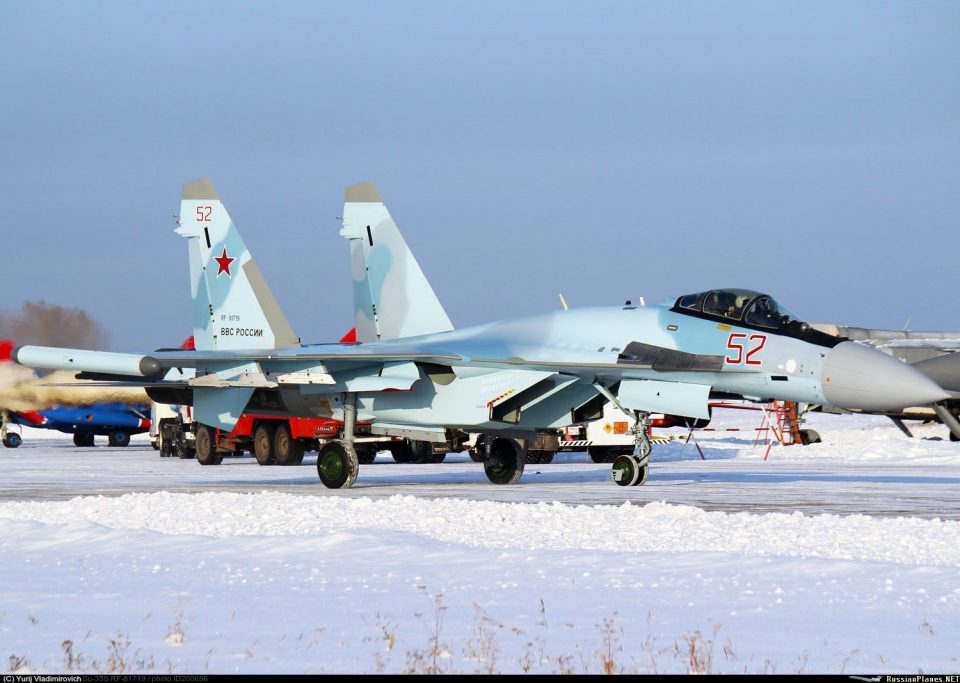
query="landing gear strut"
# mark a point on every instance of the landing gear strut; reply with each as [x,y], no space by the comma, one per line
[338,463]
[634,469]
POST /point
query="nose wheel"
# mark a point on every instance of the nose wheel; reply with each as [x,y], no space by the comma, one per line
[627,471]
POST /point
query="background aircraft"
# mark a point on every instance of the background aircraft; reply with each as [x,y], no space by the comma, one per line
[936,354]
[417,377]
[117,421]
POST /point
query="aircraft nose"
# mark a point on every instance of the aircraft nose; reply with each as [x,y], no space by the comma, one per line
[858,377]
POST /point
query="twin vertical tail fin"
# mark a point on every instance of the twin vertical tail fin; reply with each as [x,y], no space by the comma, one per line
[233,307]
[392,297]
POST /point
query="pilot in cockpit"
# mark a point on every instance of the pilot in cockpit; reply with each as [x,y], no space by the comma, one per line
[727,304]
[764,313]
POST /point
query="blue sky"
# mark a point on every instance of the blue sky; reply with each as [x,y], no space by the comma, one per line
[605,150]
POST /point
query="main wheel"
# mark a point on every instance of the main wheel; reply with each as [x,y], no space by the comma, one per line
[809,436]
[538,457]
[118,439]
[954,437]
[83,440]
[12,440]
[286,449]
[504,463]
[625,471]
[206,448]
[263,443]
[338,465]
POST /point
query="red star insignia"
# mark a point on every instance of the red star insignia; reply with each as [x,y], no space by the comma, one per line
[223,263]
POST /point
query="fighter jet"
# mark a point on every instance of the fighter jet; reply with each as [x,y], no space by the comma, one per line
[117,421]
[413,375]
[936,354]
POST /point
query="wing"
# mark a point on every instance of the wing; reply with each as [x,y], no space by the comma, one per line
[645,377]
[108,364]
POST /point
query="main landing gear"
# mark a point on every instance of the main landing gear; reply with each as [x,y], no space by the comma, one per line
[503,459]
[634,469]
[338,463]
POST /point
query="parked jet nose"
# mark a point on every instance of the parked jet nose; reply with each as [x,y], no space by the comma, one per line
[858,377]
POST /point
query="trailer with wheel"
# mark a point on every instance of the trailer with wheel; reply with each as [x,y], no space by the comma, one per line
[284,441]
[611,435]
[172,431]
[271,440]
[538,449]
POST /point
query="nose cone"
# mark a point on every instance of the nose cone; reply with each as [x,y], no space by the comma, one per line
[858,377]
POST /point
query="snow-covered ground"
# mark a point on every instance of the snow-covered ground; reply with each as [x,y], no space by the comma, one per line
[843,556]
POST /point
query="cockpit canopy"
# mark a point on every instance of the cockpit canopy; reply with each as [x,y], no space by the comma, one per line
[738,306]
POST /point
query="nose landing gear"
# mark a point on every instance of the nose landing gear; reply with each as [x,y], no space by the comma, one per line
[634,469]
